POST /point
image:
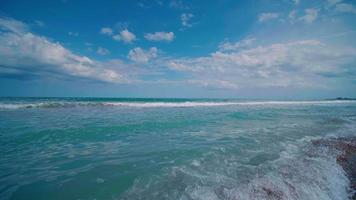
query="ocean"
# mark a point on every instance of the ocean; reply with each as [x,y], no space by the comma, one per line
[187,149]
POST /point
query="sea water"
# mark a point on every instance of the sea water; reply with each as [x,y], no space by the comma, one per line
[87,148]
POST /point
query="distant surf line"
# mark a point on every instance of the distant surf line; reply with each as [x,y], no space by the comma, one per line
[65,104]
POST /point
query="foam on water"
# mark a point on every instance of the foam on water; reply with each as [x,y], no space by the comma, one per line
[64,104]
[245,150]
[299,174]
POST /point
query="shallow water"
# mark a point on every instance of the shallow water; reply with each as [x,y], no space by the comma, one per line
[171,149]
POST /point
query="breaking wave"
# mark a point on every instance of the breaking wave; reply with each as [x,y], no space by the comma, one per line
[68,104]
[309,168]
[297,174]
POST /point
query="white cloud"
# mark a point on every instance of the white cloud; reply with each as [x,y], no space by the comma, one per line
[142,56]
[185,19]
[310,16]
[294,64]
[12,25]
[160,36]
[125,36]
[214,84]
[235,65]
[228,46]
[102,51]
[267,16]
[106,31]
[344,7]
[26,53]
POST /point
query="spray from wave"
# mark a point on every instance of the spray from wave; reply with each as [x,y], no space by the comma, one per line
[301,172]
[307,169]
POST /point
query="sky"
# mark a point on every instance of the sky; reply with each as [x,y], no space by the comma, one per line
[259,49]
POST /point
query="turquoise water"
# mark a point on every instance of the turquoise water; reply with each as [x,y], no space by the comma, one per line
[87,148]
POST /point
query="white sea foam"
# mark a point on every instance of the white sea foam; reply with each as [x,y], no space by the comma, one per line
[169,104]
[302,172]
[15,106]
[205,104]
[59,104]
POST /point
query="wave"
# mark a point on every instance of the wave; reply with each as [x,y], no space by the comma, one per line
[43,105]
[301,172]
[68,104]
[197,104]
[161,104]
[312,167]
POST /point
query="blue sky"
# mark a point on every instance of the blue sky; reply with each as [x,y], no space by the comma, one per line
[284,49]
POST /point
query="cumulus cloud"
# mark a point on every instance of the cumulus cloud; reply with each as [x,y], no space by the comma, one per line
[142,56]
[102,51]
[160,36]
[267,16]
[23,52]
[125,36]
[106,31]
[234,65]
[294,64]
[346,8]
[186,18]
[310,16]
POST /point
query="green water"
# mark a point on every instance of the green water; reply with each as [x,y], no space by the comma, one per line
[170,148]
